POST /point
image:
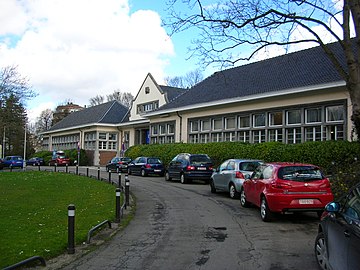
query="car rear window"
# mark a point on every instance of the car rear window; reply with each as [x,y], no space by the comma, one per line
[200,159]
[125,159]
[248,166]
[154,161]
[300,173]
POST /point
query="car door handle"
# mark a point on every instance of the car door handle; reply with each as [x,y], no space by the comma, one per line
[346,233]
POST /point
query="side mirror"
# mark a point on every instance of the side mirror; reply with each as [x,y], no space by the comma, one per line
[332,207]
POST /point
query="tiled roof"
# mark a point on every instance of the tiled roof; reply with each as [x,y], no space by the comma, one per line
[111,112]
[293,70]
[171,92]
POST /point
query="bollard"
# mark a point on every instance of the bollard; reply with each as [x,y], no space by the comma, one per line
[109,178]
[55,165]
[67,168]
[71,229]
[117,208]
[98,173]
[87,172]
[127,189]
[119,182]
[77,169]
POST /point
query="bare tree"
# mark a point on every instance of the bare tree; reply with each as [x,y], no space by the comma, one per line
[190,79]
[230,28]
[124,98]
[44,121]
[97,100]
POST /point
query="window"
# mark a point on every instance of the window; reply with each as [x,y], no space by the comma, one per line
[194,126]
[194,138]
[216,137]
[335,132]
[171,128]
[335,114]
[162,129]
[102,145]
[275,135]
[258,136]
[259,120]
[102,136]
[154,130]
[229,136]
[205,125]
[229,122]
[112,136]
[276,119]
[293,135]
[313,115]
[244,121]
[204,138]
[313,133]
[217,123]
[294,117]
[244,136]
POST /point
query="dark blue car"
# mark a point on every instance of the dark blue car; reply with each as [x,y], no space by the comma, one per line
[13,162]
[145,166]
[35,161]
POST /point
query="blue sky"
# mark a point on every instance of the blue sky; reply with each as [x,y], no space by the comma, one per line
[72,50]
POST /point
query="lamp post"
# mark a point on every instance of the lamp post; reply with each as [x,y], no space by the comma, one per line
[24,159]
[3,145]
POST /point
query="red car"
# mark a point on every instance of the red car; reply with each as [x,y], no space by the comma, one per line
[59,159]
[286,187]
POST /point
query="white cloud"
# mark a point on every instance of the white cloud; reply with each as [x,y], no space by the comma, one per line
[78,49]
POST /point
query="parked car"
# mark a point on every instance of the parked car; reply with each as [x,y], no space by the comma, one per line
[337,245]
[13,161]
[230,175]
[118,164]
[59,159]
[35,161]
[145,166]
[286,187]
[187,167]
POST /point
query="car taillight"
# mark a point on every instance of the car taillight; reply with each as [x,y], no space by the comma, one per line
[190,168]
[148,166]
[239,175]
[210,168]
[281,185]
[120,162]
[326,184]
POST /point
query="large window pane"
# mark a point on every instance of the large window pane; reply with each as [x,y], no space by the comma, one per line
[194,126]
[230,123]
[294,117]
[218,124]
[313,115]
[244,121]
[276,119]
[205,125]
[335,113]
[259,120]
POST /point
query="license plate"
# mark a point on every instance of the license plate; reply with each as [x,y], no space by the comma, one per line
[306,201]
[202,168]
[157,170]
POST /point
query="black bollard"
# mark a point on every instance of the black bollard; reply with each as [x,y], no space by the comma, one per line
[98,173]
[67,168]
[109,178]
[87,172]
[71,229]
[117,209]
[127,191]
[119,182]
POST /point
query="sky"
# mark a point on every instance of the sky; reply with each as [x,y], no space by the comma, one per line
[73,50]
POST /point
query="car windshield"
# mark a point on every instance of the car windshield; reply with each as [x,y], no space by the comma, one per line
[17,158]
[61,157]
[199,159]
[154,161]
[126,159]
[249,166]
[300,173]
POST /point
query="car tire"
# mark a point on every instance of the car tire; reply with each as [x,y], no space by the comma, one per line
[143,173]
[212,186]
[232,192]
[265,212]
[167,176]
[321,253]
[183,179]
[243,201]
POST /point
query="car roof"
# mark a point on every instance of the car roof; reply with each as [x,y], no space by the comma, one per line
[287,164]
[243,160]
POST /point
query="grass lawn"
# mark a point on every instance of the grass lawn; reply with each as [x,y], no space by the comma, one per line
[33,212]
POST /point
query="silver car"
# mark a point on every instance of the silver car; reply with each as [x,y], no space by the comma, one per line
[230,175]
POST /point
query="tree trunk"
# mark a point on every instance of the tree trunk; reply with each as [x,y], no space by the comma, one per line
[354,90]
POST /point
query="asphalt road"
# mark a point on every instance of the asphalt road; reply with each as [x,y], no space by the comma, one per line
[186,227]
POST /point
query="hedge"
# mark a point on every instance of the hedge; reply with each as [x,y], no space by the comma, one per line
[339,159]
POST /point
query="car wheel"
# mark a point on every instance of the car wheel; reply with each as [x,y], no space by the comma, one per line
[232,192]
[183,179]
[243,201]
[321,253]
[212,186]
[143,173]
[265,212]
[167,176]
